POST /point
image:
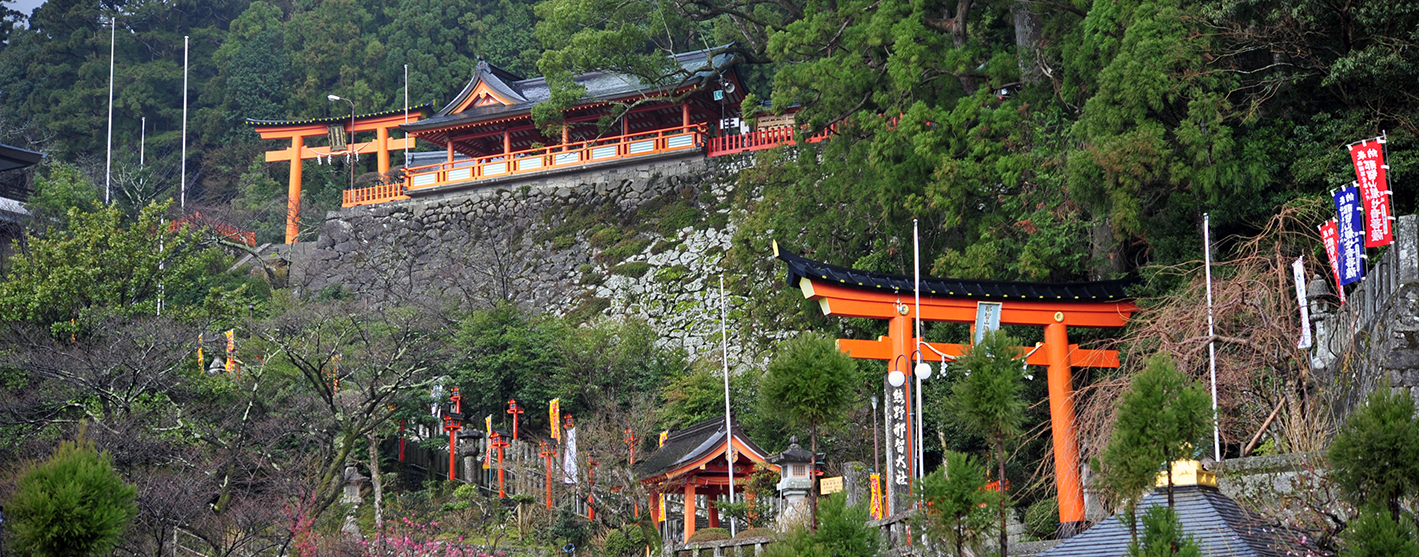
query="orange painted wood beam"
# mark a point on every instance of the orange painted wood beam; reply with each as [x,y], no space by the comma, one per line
[361,125]
[364,148]
[881,349]
[840,300]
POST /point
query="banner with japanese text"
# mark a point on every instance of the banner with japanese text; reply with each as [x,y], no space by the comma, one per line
[1330,239]
[1370,171]
[231,349]
[1351,234]
[1298,272]
[569,468]
[554,411]
[876,508]
[488,441]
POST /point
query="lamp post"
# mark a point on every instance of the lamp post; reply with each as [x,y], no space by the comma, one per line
[515,410]
[876,452]
[452,422]
[349,144]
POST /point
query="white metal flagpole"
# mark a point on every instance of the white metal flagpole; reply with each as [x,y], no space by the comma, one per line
[142,139]
[728,424]
[920,453]
[406,115]
[1211,346]
[182,179]
[108,165]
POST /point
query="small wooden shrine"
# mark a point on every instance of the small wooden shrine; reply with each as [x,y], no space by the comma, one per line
[693,462]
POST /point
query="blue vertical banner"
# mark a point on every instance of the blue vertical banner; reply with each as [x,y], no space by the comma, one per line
[1350,218]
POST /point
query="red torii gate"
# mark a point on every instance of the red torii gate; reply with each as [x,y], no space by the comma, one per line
[1056,307]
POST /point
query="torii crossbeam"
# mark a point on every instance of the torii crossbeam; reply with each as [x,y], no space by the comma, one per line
[1056,307]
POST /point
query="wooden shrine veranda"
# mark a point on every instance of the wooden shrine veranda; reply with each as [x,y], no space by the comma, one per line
[487,133]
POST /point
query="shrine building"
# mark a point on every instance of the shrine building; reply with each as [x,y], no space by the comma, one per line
[487,134]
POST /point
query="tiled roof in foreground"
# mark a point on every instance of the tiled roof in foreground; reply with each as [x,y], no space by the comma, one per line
[1074,292]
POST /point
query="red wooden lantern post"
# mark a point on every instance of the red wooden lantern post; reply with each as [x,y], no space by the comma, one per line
[515,410]
[500,444]
[453,422]
[631,443]
[547,454]
[591,485]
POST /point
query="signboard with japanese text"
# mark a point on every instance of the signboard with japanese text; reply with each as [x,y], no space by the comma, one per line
[1351,234]
[1330,239]
[1370,177]
[1298,273]
[829,486]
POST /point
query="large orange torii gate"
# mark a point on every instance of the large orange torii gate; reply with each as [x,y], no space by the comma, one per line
[298,130]
[1056,307]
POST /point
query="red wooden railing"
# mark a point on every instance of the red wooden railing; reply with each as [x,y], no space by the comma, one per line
[223,229]
[755,141]
[683,138]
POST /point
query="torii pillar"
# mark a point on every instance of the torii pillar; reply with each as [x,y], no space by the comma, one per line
[298,130]
[849,293]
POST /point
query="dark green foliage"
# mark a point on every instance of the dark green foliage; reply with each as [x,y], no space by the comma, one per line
[842,532]
[508,354]
[958,510]
[989,401]
[1161,418]
[1042,518]
[1163,536]
[72,504]
[1375,456]
[1375,534]
[809,381]
[709,535]
[627,541]
[100,267]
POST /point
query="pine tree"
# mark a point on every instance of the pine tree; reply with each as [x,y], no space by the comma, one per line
[955,506]
[1375,456]
[989,401]
[72,504]
[1375,534]
[1163,536]
[1160,419]
[809,382]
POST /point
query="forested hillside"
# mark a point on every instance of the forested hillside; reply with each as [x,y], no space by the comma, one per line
[1033,140]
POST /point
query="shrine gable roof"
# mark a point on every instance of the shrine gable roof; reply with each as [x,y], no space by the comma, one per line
[1074,292]
[521,94]
[691,444]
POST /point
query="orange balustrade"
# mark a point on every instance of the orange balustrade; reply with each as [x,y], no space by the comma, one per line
[682,138]
[759,140]
[378,193]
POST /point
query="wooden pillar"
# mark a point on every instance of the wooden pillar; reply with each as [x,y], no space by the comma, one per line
[382,138]
[450,150]
[1061,413]
[713,511]
[689,509]
[293,191]
[685,114]
[507,143]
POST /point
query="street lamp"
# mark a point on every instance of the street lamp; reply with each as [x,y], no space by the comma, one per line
[349,144]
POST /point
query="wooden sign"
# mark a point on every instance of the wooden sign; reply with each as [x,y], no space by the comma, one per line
[828,486]
[766,122]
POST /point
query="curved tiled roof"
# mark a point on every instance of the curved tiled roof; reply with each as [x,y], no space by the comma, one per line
[1074,292]
[423,108]
[1214,522]
[689,445]
[600,86]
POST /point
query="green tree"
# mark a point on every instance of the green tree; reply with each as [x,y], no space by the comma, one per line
[1375,455]
[1375,534]
[810,382]
[504,353]
[72,504]
[989,401]
[843,532]
[1161,418]
[1163,536]
[955,504]
[70,281]
[59,190]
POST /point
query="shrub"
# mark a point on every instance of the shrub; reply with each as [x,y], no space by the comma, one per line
[1042,518]
[634,269]
[72,504]
[709,535]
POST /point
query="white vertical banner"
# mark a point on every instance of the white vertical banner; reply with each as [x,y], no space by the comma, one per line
[1298,271]
[569,458]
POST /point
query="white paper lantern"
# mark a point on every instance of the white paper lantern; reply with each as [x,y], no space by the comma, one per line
[896,378]
[923,370]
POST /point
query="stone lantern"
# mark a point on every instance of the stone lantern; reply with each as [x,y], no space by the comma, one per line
[795,484]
